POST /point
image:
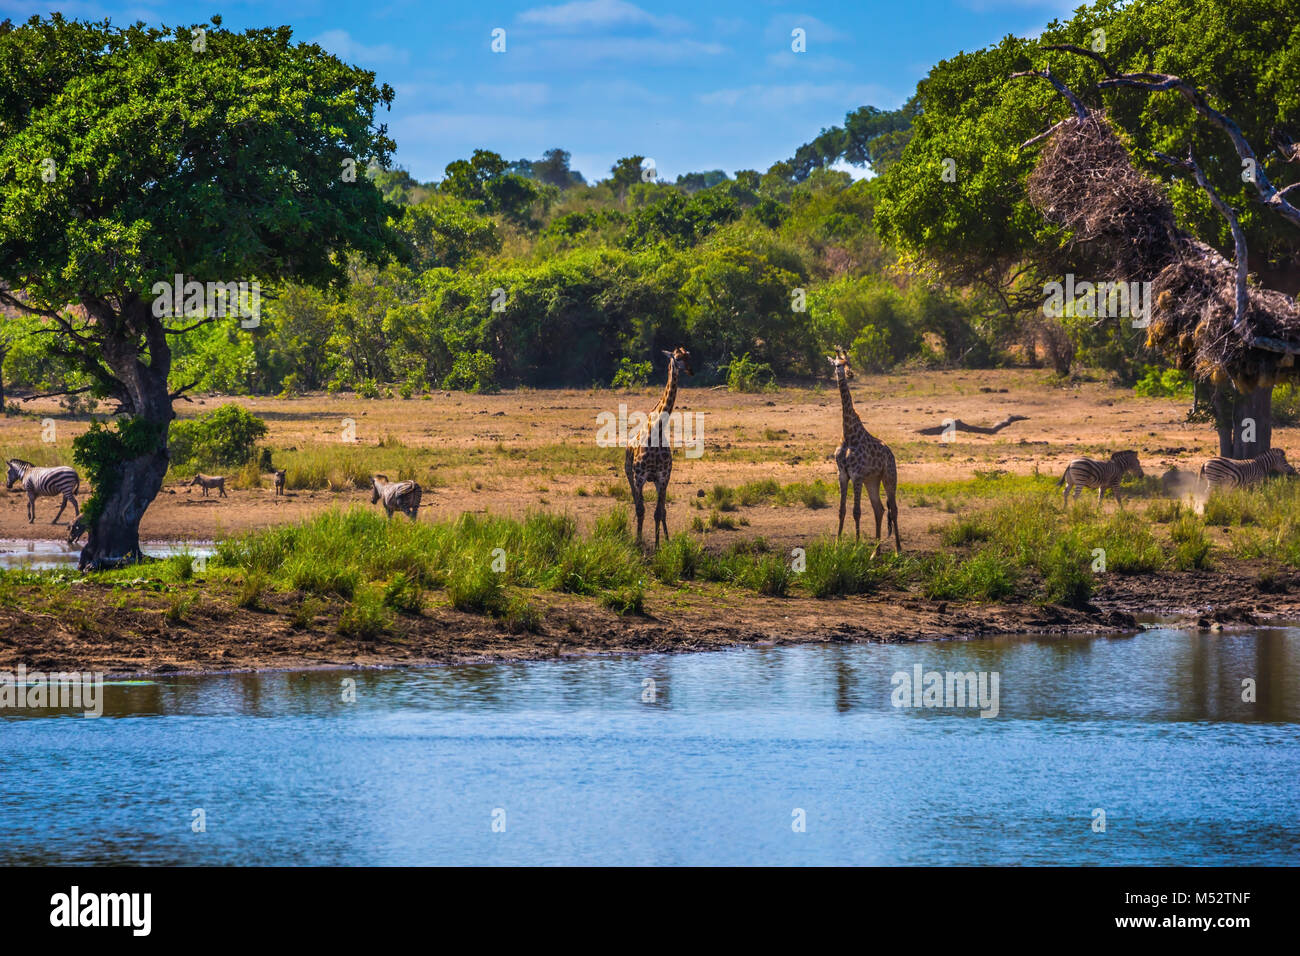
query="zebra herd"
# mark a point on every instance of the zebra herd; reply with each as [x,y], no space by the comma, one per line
[405,496]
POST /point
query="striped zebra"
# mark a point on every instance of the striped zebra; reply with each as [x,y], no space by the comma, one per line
[209,481]
[1090,473]
[43,483]
[1238,472]
[401,496]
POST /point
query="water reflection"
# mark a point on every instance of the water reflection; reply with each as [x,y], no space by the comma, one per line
[38,555]
[385,767]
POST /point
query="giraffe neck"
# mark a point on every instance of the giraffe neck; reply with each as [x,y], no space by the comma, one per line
[852,423]
[665,405]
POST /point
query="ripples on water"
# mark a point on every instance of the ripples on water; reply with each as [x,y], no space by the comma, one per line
[1151,729]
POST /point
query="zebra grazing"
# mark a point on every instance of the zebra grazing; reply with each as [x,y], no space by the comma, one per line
[209,481]
[1237,472]
[279,482]
[45,482]
[401,496]
[1090,473]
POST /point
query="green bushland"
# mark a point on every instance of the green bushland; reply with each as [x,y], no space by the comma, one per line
[479,562]
[1022,547]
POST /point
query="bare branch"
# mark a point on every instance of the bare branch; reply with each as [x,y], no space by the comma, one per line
[1080,110]
[62,391]
[180,392]
[1043,135]
[1084,51]
[1164,82]
[1238,234]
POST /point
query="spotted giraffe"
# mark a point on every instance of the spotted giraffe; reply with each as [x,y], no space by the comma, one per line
[863,457]
[649,455]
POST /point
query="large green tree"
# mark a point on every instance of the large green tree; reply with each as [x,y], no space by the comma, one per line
[956,200]
[132,155]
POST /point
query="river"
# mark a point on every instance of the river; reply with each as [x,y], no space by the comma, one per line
[781,755]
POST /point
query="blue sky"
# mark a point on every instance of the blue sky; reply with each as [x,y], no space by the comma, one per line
[693,85]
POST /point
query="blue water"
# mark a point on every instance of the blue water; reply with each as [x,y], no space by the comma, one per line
[580,769]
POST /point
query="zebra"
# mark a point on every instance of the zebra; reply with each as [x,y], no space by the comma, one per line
[45,482]
[279,482]
[401,496]
[209,481]
[1090,473]
[1236,472]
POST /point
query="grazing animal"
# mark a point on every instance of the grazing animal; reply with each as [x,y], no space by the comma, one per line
[209,481]
[45,482]
[76,529]
[1237,472]
[401,496]
[279,482]
[863,457]
[1090,473]
[649,455]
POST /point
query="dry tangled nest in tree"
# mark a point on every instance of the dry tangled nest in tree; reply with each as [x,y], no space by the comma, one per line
[1124,223]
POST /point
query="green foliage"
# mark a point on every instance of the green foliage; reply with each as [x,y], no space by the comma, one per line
[227,435]
[1163,383]
[631,374]
[366,617]
[746,375]
[101,452]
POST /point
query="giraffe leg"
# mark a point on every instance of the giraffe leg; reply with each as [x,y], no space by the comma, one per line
[661,511]
[844,495]
[873,492]
[857,509]
[638,503]
[891,499]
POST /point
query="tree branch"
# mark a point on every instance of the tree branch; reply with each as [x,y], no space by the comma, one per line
[1080,110]
[1238,234]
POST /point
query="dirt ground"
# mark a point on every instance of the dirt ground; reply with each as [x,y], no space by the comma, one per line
[511,452]
[788,435]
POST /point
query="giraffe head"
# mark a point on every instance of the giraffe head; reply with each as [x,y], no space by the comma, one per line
[679,360]
[840,360]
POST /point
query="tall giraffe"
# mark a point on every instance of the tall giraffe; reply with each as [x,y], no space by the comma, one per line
[649,455]
[863,457]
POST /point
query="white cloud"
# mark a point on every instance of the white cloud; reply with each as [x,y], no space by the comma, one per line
[341,44]
[585,50]
[598,15]
[787,96]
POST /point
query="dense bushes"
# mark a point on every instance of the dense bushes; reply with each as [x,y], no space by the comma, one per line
[225,436]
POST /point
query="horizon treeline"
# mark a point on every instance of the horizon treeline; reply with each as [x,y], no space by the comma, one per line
[522,273]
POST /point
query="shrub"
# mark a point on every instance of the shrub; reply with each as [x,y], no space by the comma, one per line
[403,593]
[225,436]
[1067,576]
[365,617]
[632,374]
[1191,547]
[747,375]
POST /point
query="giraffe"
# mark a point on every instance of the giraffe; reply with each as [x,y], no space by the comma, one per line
[862,456]
[649,455]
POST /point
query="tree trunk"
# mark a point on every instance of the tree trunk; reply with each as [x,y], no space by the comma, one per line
[1244,422]
[114,531]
